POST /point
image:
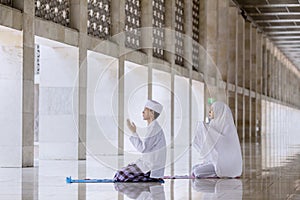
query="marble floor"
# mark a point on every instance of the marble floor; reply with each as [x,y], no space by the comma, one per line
[264,177]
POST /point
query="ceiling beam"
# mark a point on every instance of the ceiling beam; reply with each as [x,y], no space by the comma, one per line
[284,46]
[282,32]
[270,6]
[277,20]
[287,42]
[284,37]
[295,57]
[291,53]
[288,49]
[273,13]
[291,50]
[280,27]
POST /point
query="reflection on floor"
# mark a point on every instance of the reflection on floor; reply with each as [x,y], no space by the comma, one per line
[47,181]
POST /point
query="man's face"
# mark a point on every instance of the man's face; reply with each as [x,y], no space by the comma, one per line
[146,114]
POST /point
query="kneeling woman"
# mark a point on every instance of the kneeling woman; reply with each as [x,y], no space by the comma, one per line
[152,164]
[218,145]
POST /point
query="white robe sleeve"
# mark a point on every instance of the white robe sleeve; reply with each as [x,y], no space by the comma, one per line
[153,149]
[199,136]
[143,146]
[206,137]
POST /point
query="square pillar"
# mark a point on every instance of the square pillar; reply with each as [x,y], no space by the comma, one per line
[28,85]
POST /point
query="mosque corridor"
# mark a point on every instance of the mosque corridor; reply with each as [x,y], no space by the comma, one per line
[271,170]
[73,71]
[47,181]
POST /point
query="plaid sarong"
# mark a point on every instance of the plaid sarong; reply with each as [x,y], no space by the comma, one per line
[132,173]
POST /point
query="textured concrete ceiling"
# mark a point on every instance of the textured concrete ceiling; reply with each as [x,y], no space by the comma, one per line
[279,20]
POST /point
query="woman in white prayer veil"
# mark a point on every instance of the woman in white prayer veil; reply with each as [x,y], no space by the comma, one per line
[218,145]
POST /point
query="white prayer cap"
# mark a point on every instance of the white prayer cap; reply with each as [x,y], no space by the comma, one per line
[154,105]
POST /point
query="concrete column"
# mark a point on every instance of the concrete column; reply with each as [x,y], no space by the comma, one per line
[259,74]
[117,18]
[277,78]
[259,62]
[121,91]
[267,62]
[146,21]
[287,83]
[208,39]
[275,67]
[240,99]
[271,71]
[248,59]
[240,76]
[81,25]
[252,95]
[28,85]
[294,81]
[188,29]
[289,88]
[203,43]
[289,77]
[292,88]
[170,57]
[232,60]
[118,26]
[280,83]
[82,95]
[212,29]
[78,20]
[272,67]
[264,67]
[283,83]
[247,79]
[254,54]
[268,71]
[222,38]
[146,39]
[298,93]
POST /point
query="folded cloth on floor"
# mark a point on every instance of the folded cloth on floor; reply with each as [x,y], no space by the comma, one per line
[70,180]
[132,173]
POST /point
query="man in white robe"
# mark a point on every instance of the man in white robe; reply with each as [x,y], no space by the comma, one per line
[218,144]
[151,166]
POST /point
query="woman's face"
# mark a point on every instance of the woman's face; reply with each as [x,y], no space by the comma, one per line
[211,113]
